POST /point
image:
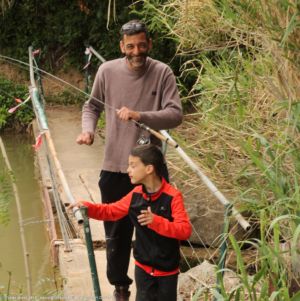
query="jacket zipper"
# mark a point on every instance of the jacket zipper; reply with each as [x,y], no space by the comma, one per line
[152,268]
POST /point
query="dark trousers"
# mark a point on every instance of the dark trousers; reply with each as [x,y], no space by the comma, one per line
[151,288]
[113,186]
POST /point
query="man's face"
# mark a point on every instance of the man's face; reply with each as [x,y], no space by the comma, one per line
[136,48]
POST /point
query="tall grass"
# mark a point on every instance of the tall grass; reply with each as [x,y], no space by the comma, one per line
[240,74]
[5,4]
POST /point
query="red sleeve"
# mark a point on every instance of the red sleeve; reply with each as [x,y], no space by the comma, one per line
[109,212]
[180,228]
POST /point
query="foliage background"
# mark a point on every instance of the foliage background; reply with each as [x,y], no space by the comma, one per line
[20,119]
[61,30]
[240,78]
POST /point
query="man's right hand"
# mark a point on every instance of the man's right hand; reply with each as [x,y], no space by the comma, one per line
[85,138]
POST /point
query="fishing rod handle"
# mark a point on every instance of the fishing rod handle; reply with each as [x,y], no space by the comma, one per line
[163,138]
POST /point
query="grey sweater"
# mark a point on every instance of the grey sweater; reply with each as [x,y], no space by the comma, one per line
[152,92]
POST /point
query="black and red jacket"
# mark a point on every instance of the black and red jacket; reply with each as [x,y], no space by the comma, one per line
[157,244]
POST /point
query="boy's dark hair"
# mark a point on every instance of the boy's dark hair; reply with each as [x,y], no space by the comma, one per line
[150,154]
[134,27]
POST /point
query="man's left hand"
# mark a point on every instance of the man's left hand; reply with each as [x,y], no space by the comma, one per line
[125,114]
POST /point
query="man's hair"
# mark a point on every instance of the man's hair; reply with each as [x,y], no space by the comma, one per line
[150,154]
[134,27]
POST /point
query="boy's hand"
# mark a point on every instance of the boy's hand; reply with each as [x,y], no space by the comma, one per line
[76,204]
[146,217]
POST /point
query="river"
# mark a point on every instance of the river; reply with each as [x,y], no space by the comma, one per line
[45,278]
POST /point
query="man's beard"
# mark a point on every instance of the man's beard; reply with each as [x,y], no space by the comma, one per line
[137,61]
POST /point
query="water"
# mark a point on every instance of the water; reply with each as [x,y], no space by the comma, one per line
[44,277]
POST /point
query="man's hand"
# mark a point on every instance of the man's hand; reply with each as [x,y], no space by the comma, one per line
[125,114]
[85,138]
[146,217]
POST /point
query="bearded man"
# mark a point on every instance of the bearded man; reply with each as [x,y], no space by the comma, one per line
[135,87]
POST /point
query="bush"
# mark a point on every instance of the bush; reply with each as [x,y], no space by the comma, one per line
[22,116]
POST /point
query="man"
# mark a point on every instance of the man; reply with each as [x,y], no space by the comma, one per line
[138,88]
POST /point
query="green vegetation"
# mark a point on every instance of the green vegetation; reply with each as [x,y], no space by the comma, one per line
[65,97]
[5,194]
[239,77]
[8,94]
[61,29]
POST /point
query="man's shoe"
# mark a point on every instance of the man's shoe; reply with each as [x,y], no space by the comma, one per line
[121,293]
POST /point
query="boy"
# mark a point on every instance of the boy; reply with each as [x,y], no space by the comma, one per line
[157,212]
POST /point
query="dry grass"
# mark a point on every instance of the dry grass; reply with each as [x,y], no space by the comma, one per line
[245,84]
[242,58]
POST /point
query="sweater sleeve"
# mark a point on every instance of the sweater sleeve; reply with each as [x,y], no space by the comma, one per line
[93,107]
[170,115]
[109,212]
[180,228]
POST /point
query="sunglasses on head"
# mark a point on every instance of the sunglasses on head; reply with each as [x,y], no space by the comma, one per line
[133,26]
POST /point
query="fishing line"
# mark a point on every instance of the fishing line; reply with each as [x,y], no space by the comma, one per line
[46,78]
[141,125]
[9,95]
[3,57]
[163,137]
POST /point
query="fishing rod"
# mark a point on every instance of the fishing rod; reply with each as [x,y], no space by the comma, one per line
[245,225]
[163,137]
[139,124]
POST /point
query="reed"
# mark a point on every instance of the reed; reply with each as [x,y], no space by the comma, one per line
[240,80]
[5,194]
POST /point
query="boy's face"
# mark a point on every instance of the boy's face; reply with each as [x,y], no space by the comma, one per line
[136,48]
[137,170]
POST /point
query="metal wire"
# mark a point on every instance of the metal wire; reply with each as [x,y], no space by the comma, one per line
[61,218]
